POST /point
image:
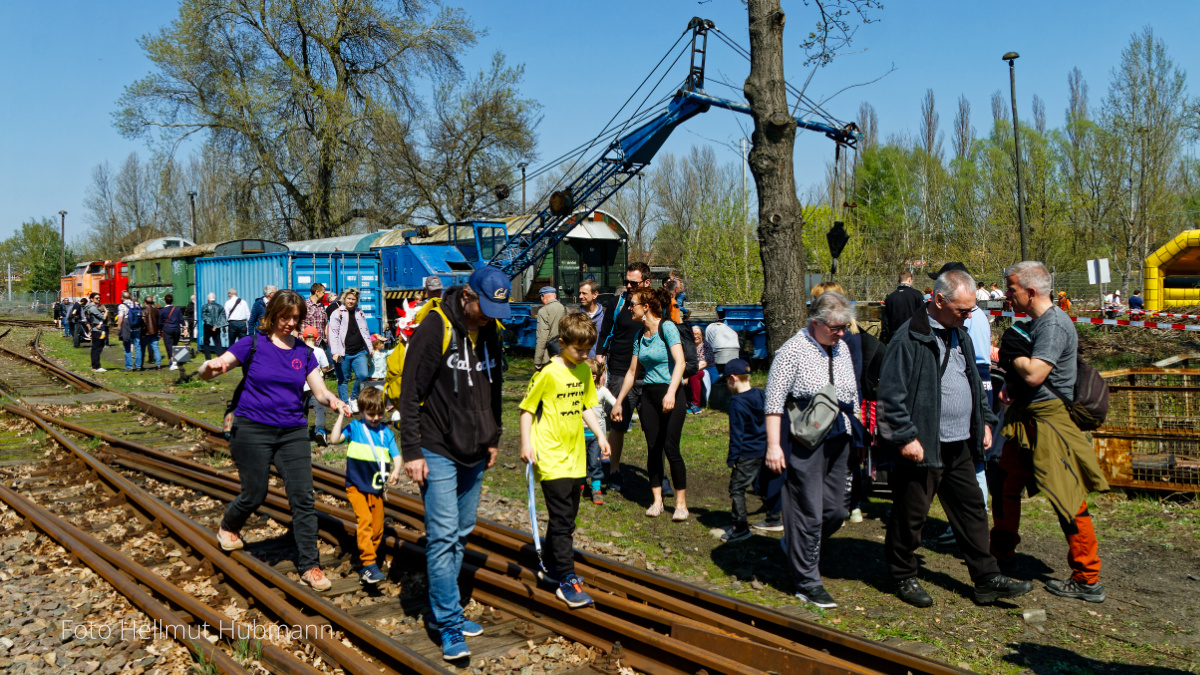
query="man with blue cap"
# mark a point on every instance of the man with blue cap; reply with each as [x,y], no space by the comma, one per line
[551,312]
[450,404]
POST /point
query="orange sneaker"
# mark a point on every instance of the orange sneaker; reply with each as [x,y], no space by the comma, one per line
[317,579]
[229,541]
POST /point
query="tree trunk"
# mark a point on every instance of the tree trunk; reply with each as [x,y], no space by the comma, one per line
[780,217]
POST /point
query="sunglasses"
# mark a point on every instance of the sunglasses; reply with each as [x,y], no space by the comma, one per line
[631,282]
[838,329]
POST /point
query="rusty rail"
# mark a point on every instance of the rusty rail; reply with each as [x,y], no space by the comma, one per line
[172,624]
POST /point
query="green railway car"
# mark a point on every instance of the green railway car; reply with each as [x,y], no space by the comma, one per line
[172,268]
[596,247]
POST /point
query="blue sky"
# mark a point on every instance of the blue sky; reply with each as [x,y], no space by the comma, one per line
[66,63]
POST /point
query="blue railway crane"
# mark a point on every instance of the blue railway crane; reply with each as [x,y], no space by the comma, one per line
[630,153]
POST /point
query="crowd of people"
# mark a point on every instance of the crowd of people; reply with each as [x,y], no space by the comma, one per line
[837,399]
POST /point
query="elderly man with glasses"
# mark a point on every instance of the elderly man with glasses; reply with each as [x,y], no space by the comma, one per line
[933,410]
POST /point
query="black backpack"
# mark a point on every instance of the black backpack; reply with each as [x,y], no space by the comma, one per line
[1089,408]
[691,360]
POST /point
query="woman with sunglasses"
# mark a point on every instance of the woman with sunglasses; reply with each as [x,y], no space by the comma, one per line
[814,503]
[663,406]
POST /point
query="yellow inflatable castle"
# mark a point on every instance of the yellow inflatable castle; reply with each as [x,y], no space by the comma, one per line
[1179,257]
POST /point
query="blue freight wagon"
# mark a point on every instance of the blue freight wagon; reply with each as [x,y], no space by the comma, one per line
[297,270]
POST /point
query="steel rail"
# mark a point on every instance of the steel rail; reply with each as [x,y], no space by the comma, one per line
[172,624]
[762,624]
[237,566]
[487,565]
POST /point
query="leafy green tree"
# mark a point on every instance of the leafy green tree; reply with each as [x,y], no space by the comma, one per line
[33,252]
[296,91]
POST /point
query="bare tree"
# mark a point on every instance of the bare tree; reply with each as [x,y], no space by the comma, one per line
[999,107]
[868,126]
[931,137]
[964,133]
[1039,114]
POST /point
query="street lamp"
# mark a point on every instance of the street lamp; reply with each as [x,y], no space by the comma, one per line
[62,247]
[1012,81]
[192,196]
[522,166]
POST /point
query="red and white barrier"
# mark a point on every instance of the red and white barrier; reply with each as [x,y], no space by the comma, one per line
[1109,322]
[1136,311]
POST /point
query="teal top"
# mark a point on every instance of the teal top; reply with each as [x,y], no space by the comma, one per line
[654,356]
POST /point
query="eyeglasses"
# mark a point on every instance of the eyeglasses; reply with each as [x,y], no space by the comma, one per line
[963,312]
[838,329]
[636,304]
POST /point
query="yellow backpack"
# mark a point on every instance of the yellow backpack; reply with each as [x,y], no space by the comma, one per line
[395,360]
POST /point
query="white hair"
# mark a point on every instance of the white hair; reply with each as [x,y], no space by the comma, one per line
[1031,275]
[267,290]
[951,282]
[832,308]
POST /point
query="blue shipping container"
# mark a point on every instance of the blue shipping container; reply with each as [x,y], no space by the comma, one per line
[297,270]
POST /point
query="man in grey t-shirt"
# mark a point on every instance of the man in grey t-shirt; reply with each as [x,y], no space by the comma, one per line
[1042,435]
[1055,344]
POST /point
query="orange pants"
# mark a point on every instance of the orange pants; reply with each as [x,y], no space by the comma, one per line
[1082,549]
[369,510]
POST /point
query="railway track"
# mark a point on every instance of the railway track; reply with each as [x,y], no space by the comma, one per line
[641,620]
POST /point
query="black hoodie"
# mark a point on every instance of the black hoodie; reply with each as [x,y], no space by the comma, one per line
[450,403]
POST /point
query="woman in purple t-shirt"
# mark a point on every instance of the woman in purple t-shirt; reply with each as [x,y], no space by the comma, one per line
[271,425]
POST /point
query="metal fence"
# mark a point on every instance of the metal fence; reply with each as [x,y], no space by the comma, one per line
[27,303]
[1149,438]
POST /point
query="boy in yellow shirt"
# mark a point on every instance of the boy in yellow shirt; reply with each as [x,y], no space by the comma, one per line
[552,440]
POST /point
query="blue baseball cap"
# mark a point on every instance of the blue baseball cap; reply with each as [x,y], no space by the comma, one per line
[737,367]
[548,289]
[493,288]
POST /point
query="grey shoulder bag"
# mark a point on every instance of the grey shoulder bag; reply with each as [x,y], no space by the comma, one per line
[810,424]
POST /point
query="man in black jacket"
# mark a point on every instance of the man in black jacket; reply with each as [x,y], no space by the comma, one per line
[615,347]
[450,432]
[899,306]
[932,408]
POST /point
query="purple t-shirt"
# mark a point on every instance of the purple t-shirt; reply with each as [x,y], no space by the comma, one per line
[274,388]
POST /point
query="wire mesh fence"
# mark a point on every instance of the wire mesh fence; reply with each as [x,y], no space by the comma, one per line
[1149,438]
[37,304]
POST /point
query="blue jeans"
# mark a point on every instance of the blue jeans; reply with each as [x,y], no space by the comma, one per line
[133,350]
[356,362]
[151,343]
[451,494]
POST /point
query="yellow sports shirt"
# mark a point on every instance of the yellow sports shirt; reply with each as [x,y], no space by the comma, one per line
[557,397]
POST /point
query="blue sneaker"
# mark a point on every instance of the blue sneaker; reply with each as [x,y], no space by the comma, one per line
[667,490]
[371,574]
[571,592]
[471,629]
[454,645]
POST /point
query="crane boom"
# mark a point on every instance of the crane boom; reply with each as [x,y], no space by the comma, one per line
[625,158]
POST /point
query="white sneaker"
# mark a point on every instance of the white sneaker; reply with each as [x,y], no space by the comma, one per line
[354,406]
[174,366]
[856,516]
[99,370]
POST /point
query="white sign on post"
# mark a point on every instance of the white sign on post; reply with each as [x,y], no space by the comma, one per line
[1098,271]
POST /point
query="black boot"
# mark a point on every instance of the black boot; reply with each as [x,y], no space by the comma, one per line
[911,592]
[1000,586]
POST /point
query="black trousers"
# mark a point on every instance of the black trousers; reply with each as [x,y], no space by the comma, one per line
[76,334]
[237,330]
[745,470]
[170,339]
[954,484]
[663,430]
[254,447]
[562,506]
[212,341]
[97,347]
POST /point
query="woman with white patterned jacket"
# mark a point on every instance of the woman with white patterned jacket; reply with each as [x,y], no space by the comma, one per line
[814,504]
